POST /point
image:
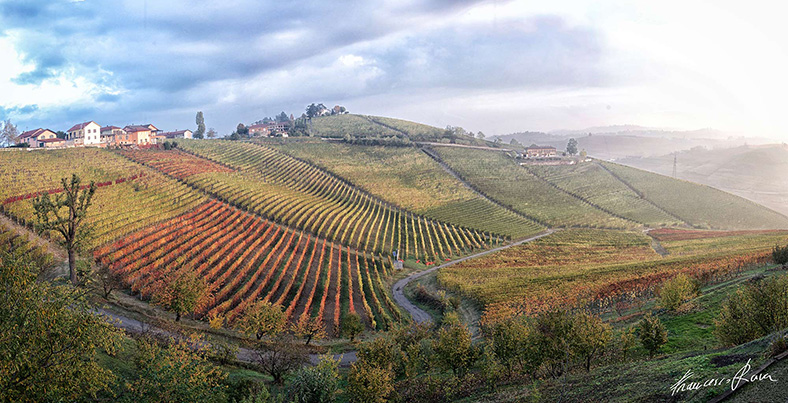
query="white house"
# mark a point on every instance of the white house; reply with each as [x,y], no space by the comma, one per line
[178,134]
[87,133]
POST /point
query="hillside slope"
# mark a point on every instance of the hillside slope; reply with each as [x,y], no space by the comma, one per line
[407,177]
[699,205]
[756,173]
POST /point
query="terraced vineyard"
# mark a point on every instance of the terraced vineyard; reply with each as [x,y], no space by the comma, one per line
[603,270]
[406,177]
[597,186]
[120,206]
[245,258]
[693,203]
[302,196]
[501,179]
[27,172]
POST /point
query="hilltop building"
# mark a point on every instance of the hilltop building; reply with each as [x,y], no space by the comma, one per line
[35,138]
[535,151]
[112,135]
[178,134]
[87,133]
[139,135]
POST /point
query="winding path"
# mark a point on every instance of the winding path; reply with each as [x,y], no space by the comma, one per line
[418,314]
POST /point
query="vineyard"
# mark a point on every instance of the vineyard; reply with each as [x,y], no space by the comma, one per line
[355,125]
[244,258]
[683,242]
[500,178]
[603,270]
[300,195]
[690,202]
[128,196]
[27,172]
[594,184]
[408,178]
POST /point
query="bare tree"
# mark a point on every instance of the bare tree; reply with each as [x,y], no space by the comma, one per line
[65,216]
[9,134]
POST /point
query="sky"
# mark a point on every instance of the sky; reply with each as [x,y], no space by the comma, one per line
[491,66]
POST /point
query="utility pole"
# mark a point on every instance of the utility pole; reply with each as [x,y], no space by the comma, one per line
[674,164]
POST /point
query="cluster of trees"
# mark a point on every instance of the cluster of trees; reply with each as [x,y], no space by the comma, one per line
[314,110]
[458,132]
[755,310]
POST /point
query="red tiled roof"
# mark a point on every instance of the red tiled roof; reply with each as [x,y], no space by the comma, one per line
[80,126]
[31,133]
[109,128]
[136,128]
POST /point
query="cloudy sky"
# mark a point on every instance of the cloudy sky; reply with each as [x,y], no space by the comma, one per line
[495,66]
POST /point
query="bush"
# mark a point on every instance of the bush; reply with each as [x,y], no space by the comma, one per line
[754,310]
[676,291]
[652,333]
[316,384]
[778,346]
[368,383]
[780,254]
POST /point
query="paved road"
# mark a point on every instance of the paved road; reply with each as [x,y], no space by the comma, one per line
[418,314]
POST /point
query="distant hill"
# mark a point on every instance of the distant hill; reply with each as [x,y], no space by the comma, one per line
[631,143]
[757,173]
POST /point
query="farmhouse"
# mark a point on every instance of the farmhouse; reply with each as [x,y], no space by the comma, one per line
[112,135]
[178,134]
[87,133]
[259,130]
[268,129]
[535,151]
[140,135]
[34,138]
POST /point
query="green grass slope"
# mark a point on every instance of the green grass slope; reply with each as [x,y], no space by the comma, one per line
[596,185]
[408,178]
[500,178]
[699,205]
[338,126]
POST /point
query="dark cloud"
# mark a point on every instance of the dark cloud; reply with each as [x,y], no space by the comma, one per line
[168,59]
[7,113]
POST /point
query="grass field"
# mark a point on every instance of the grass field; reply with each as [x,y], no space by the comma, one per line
[408,178]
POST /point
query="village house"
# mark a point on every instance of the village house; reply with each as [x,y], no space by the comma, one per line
[535,151]
[178,134]
[87,133]
[34,138]
[112,135]
[259,130]
[139,135]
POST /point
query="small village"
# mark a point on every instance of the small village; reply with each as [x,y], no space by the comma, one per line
[91,134]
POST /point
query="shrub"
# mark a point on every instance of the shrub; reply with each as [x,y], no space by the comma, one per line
[316,384]
[778,346]
[368,383]
[780,254]
[676,291]
[652,334]
[352,326]
[754,310]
